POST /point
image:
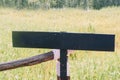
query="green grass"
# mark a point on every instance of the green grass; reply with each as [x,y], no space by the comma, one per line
[84,65]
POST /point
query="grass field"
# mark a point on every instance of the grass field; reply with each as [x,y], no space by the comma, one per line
[84,65]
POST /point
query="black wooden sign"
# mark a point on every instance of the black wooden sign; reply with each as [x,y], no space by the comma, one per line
[63,41]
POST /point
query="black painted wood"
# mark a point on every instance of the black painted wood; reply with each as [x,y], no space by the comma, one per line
[60,40]
[63,64]
[63,41]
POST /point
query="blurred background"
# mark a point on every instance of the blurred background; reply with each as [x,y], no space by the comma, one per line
[82,16]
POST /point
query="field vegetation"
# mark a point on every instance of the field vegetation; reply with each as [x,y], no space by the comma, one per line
[84,65]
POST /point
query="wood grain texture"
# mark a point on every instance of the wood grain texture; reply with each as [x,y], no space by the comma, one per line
[27,61]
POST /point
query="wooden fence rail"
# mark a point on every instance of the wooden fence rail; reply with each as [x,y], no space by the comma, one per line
[27,61]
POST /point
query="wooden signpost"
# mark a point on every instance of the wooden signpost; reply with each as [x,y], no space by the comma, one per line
[63,41]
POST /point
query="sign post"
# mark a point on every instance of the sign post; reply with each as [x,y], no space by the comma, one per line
[63,41]
[63,64]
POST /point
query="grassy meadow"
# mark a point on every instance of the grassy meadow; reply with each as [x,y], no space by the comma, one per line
[84,65]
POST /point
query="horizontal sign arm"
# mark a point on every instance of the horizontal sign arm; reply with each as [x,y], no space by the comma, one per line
[59,40]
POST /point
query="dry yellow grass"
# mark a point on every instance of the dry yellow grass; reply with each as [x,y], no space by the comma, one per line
[85,65]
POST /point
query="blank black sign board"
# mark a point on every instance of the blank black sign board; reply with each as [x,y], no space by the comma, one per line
[63,41]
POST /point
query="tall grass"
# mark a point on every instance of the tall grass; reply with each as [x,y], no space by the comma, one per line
[84,65]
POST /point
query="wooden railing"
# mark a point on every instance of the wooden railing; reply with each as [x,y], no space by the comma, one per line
[32,61]
[27,61]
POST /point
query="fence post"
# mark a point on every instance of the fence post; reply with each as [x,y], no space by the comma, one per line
[62,66]
[58,70]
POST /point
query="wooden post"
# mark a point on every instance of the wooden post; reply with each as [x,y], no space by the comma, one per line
[63,41]
[58,70]
[62,66]
[68,78]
